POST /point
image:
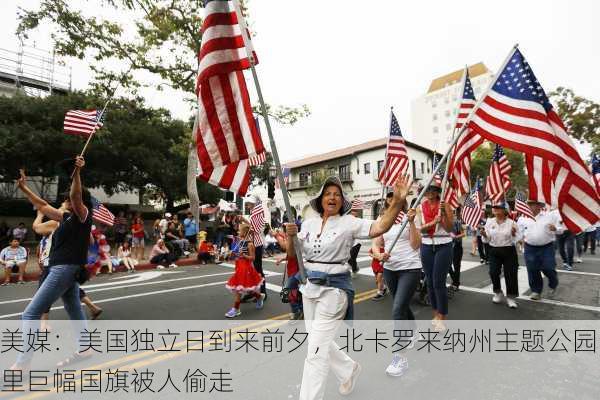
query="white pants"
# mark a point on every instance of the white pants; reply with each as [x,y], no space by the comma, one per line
[323,315]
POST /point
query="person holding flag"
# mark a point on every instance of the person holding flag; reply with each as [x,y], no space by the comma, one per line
[68,253]
[501,233]
[435,221]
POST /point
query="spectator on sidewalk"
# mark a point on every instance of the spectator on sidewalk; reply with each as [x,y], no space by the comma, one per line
[161,255]
[173,238]
[120,228]
[125,258]
[13,257]
[164,223]
[191,229]
[137,240]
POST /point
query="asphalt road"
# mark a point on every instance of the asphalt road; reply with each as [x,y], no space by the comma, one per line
[198,292]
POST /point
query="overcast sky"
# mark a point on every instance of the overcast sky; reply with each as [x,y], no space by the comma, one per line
[349,61]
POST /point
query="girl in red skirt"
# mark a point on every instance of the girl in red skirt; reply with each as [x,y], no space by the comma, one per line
[245,279]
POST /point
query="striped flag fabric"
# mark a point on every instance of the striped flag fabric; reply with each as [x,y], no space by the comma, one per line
[596,171]
[498,181]
[286,178]
[472,211]
[257,160]
[234,177]
[257,221]
[521,206]
[83,122]
[399,218]
[357,204]
[460,160]
[226,130]
[101,214]
[540,172]
[439,175]
[451,198]
[517,114]
[396,159]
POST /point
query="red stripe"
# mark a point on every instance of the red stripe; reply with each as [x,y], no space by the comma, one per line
[231,107]
[221,43]
[221,68]
[257,140]
[219,19]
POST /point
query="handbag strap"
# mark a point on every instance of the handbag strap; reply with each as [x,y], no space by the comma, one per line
[284,274]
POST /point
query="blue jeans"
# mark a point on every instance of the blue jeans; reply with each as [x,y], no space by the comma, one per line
[566,247]
[402,285]
[60,283]
[436,260]
[540,259]
[292,283]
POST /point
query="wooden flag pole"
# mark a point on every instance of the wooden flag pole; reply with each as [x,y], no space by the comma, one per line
[284,191]
[456,139]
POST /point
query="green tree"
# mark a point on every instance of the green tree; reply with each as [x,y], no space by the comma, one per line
[482,159]
[581,116]
[138,147]
[161,38]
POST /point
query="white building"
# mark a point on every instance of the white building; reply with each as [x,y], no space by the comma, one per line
[358,168]
[433,115]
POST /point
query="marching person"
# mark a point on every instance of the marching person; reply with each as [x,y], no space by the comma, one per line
[539,236]
[328,295]
[458,233]
[501,233]
[401,272]
[258,238]
[435,220]
[68,253]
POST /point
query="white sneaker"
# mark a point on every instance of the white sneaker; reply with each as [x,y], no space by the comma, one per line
[498,297]
[347,387]
[578,260]
[160,267]
[535,296]
[398,366]
[172,265]
[511,303]
[186,253]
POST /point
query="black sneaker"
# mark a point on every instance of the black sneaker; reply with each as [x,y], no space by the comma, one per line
[378,296]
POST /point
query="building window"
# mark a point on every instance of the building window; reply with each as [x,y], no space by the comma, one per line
[435,129]
[367,168]
[330,171]
[314,176]
[303,178]
[434,117]
[344,172]
[379,167]
[414,168]
[422,167]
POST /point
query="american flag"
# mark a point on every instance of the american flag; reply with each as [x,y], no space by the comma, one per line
[357,204]
[101,214]
[226,130]
[396,159]
[83,122]
[257,160]
[472,211]
[460,161]
[498,180]
[439,175]
[234,177]
[286,177]
[399,218]
[516,113]
[257,221]
[596,171]
[521,206]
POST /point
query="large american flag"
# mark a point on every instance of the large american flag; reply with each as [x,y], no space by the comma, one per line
[257,160]
[596,171]
[226,131]
[234,177]
[83,122]
[517,114]
[101,214]
[438,174]
[396,159]
[521,206]
[257,221]
[460,161]
[498,181]
[472,211]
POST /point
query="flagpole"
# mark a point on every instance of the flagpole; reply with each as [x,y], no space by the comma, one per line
[284,191]
[456,139]
[383,187]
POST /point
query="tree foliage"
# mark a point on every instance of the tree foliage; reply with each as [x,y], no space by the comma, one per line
[138,148]
[482,159]
[581,116]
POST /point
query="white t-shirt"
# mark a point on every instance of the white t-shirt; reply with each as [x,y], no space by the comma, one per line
[500,235]
[403,256]
[537,233]
[333,244]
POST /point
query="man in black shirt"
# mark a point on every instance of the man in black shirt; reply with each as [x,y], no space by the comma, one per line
[68,254]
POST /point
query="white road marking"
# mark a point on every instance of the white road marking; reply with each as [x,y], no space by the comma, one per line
[128,286]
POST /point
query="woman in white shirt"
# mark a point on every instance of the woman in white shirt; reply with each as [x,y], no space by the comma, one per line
[328,295]
[501,234]
[402,273]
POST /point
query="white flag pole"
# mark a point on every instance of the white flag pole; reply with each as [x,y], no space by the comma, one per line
[286,199]
[456,139]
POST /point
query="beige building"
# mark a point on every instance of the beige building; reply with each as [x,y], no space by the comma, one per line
[433,115]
